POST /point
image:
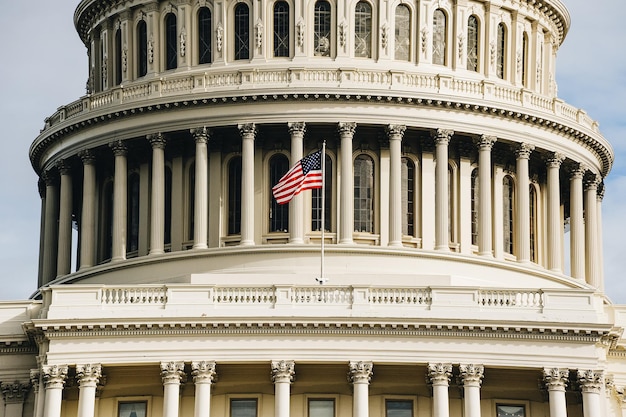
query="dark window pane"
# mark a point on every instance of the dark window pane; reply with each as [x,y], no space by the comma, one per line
[171,44]
[204,36]
[363,30]
[281,29]
[234,196]
[363,194]
[403,33]
[316,199]
[142,49]
[472,43]
[399,408]
[322,25]
[243,408]
[242,32]
[279,213]
[439,37]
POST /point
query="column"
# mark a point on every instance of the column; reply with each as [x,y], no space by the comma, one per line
[395,134]
[54,379]
[50,227]
[88,214]
[592,272]
[172,374]
[37,384]
[346,218]
[87,376]
[248,133]
[591,384]
[120,150]
[296,205]
[471,376]
[14,395]
[485,233]
[555,245]
[442,196]
[203,373]
[201,201]
[360,376]
[282,375]
[522,202]
[157,206]
[577,224]
[439,375]
[556,381]
[64,251]
[600,254]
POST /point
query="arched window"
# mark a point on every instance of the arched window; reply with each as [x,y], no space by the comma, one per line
[403,33]
[439,37]
[281,29]
[408,197]
[171,44]
[474,205]
[524,58]
[472,43]
[364,194]
[204,36]
[322,27]
[167,235]
[501,51]
[132,201]
[242,31]
[118,56]
[508,194]
[142,49]
[533,223]
[316,199]
[279,213]
[191,201]
[234,196]
[107,222]
[363,30]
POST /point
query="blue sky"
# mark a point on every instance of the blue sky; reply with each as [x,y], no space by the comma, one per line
[45,68]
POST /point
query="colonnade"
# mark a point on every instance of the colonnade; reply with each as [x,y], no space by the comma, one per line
[360,373]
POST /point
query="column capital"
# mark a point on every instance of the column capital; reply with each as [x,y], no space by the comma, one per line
[172,372]
[590,381]
[88,375]
[346,129]
[442,136]
[87,156]
[247,130]
[471,374]
[35,374]
[296,128]
[283,371]
[119,148]
[200,134]
[203,372]
[578,171]
[157,140]
[15,392]
[50,177]
[360,372]
[556,379]
[524,150]
[439,373]
[395,132]
[591,182]
[64,166]
[601,190]
[54,375]
[555,159]
[486,142]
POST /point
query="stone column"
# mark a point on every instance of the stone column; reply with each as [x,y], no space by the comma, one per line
[600,254]
[442,196]
[157,206]
[172,374]
[592,270]
[120,197]
[50,227]
[591,384]
[296,205]
[346,218]
[282,375]
[471,376]
[87,377]
[88,216]
[248,133]
[395,134]
[360,376]
[577,224]
[555,244]
[203,373]
[556,381]
[485,233]
[201,200]
[522,200]
[439,375]
[37,384]
[54,379]
[13,395]
[64,254]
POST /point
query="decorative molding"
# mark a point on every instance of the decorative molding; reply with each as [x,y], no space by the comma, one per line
[300,26]
[219,36]
[258,34]
[183,41]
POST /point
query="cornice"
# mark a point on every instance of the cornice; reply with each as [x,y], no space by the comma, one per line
[17,348]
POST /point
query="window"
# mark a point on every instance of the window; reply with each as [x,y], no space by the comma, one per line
[510,410]
[321,407]
[132,201]
[398,408]
[132,409]
[364,194]
[118,57]
[242,32]
[142,49]
[533,223]
[167,236]
[322,25]
[241,407]
[452,202]
[191,201]
[508,194]
[439,37]
[316,199]
[474,206]
[204,36]
[281,29]
[403,33]
[472,43]
[234,196]
[524,58]
[500,51]
[279,213]
[363,30]
[408,202]
[171,44]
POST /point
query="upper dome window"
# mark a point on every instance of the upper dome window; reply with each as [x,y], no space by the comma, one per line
[363,30]
[242,31]
[171,46]
[472,43]
[322,25]
[281,29]
[439,37]
[142,48]
[403,33]
[204,36]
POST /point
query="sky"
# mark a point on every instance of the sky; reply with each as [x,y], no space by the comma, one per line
[44,65]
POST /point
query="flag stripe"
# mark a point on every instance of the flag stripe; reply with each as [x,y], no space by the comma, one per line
[306,174]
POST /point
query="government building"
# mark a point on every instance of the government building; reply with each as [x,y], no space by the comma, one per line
[450,267]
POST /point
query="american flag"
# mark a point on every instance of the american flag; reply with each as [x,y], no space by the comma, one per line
[306,174]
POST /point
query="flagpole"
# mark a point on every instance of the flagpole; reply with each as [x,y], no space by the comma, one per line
[322,279]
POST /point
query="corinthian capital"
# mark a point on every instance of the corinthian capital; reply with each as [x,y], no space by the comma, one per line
[54,375]
[247,130]
[439,373]
[88,374]
[346,129]
[119,148]
[360,372]
[296,128]
[442,136]
[283,371]
[87,156]
[555,159]
[395,131]
[471,375]
[486,142]
[157,140]
[203,372]
[524,150]
[200,134]
[556,378]
[15,392]
[172,372]
[590,380]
